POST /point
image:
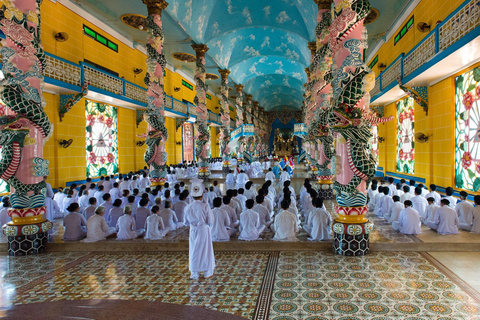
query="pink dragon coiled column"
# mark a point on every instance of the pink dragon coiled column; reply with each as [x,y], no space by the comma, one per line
[225,118]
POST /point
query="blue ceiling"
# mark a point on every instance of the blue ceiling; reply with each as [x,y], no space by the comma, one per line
[263,42]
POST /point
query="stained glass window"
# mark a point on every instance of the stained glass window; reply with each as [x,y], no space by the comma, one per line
[405,136]
[101,139]
[467,130]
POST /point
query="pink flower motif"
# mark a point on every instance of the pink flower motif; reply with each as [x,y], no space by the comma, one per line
[477,91]
[466,160]
[92,158]
[467,138]
[109,122]
[110,157]
[102,160]
[101,118]
[477,167]
[468,100]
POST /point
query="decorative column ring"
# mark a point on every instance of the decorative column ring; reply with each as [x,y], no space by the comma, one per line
[225,117]
[200,100]
[157,134]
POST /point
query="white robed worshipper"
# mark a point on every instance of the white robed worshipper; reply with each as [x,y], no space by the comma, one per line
[90,210]
[431,211]
[83,200]
[419,202]
[155,228]
[391,186]
[395,209]
[250,226]
[249,191]
[434,194]
[270,176]
[74,223]
[476,216]
[126,228]
[221,230]
[319,221]
[406,194]
[446,219]
[59,196]
[115,213]
[232,215]
[371,193]
[464,212]
[451,199]
[408,220]
[179,209]
[284,176]
[97,228]
[242,179]
[286,224]
[230,179]
[378,201]
[385,203]
[4,217]
[168,216]
[242,198]
[263,213]
[200,218]
[99,194]
[144,182]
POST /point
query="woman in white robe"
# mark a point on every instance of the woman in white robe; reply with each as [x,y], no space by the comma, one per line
[97,228]
[154,225]
[200,218]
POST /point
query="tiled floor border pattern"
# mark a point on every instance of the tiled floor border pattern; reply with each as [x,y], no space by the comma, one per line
[474,294]
[266,290]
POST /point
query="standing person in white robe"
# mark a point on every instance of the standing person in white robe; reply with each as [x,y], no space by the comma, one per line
[395,209]
[285,176]
[270,176]
[97,228]
[408,220]
[200,218]
[446,219]
[434,194]
[431,211]
[230,180]
[464,212]
[419,203]
[250,226]
[221,230]
[242,178]
[155,229]
[286,224]
[318,226]
[476,216]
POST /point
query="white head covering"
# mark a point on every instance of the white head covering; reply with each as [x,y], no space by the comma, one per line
[197,187]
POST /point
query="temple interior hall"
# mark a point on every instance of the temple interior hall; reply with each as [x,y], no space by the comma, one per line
[237,159]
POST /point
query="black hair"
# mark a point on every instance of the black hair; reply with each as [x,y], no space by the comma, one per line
[155,209]
[249,203]
[285,204]
[226,200]
[117,203]
[260,199]
[92,200]
[445,202]
[396,198]
[217,202]
[449,191]
[72,207]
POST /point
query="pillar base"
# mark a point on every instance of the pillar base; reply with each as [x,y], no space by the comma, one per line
[325,191]
[27,239]
[351,239]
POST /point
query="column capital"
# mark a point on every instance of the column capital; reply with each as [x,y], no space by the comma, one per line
[307,70]
[200,49]
[239,87]
[313,47]
[224,73]
[256,104]
[155,6]
[248,97]
[324,4]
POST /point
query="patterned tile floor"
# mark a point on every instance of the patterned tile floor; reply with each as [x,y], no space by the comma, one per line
[285,285]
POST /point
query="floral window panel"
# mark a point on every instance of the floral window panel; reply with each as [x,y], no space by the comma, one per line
[467,130]
[405,136]
[101,139]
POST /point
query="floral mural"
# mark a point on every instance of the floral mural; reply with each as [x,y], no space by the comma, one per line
[467,130]
[405,136]
[101,139]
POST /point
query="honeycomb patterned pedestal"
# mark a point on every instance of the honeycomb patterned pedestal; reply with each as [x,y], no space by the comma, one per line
[325,194]
[25,245]
[351,239]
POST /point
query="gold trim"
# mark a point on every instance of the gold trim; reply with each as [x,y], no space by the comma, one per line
[155,6]
[16,221]
[200,49]
[136,15]
[224,73]
[351,219]
[183,54]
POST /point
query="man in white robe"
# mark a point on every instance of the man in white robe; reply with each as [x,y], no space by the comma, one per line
[232,215]
[476,216]
[200,218]
[284,176]
[430,213]
[434,194]
[395,209]
[319,221]
[242,178]
[385,203]
[378,200]
[270,176]
[286,224]
[406,194]
[221,230]
[391,186]
[419,202]
[451,199]
[446,219]
[263,213]
[464,212]
[250,226]
[408,220]
[372,192]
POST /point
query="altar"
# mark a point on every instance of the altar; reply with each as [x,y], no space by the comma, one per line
[285,143]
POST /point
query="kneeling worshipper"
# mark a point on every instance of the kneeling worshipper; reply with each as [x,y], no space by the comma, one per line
[74,224]
[385,202]
[221,230]
[90,210]
[285,225]
[319,222]
[115,213]
[476,216]
[126,228]
[200,218]
[419,203]
[4,217]
[446,218]
[464,211]
[179,209]
[431,211]
[263,213]
[408,220]
[250,226]
[97,228]
[234,222]
[154,226]
[168,215]
[395,209]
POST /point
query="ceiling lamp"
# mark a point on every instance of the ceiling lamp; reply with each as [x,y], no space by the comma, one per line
[211,76]
[372,16]
[185,57]
[136,21]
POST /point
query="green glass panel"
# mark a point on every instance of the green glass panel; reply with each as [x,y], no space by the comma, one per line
[101,39]
[112,46]
[402,33]
[89,31]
